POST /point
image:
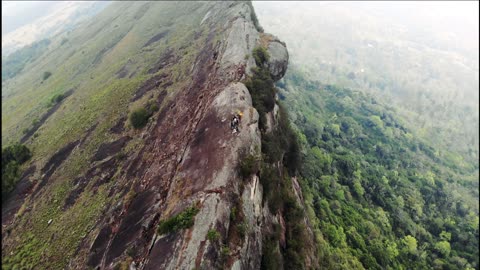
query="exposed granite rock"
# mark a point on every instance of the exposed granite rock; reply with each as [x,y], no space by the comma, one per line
[221,157]
[272,119]
[241,40]
[191,156]
[278,61]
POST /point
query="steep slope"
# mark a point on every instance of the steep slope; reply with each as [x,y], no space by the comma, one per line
[99,193]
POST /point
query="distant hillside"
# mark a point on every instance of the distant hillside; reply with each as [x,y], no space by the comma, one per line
[27,22]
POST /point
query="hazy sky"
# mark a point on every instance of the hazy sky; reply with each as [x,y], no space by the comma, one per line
[459,18]
[15,14]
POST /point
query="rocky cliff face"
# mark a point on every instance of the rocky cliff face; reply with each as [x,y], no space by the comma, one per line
[193,160]
[189,158]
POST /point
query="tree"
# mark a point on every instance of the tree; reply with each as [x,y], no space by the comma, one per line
[445,236]
[357,188]
[391,249]
[12,157]
[376,122]
[410,244]
[334,129]
[443,247]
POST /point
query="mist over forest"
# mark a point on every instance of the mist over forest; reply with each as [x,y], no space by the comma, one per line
[240,135]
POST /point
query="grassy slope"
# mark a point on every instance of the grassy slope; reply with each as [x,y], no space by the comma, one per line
[100,97]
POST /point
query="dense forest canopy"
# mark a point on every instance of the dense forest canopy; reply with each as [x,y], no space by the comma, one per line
[421,57]
[384,100]
[378,196]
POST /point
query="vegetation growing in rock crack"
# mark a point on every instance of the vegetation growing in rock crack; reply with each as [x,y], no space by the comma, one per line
[213,235]
[182,220]
[260,55]
[250,164]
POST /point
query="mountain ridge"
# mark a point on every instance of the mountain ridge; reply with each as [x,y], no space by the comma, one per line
[98,189]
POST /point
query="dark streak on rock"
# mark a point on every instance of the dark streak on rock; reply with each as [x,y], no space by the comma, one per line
[18,195]
[156,38]
[167,58]
[119,126]
[156,81]
[108,149]
[58,158]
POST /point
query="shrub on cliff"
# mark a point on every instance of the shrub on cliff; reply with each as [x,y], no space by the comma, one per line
[249,165]
[183,220]
[12,157]
[260,55]
[213,235]
[262,90]
[139,118]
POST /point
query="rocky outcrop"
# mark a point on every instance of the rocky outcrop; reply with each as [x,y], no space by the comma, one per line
[208,175]
[194,159]
[278,62]
[185,156]
[278,55]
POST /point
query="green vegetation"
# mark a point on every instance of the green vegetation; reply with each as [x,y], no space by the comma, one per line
[233,214]
[57,98]
[271,255]
[242,229]
[139,118]
[183,220]
[438,94]
[224,251]
[253,17]
[213,235]
[249,165]
[260,55]
[25,257]
[14,63]
[280,160]
[12,157]
[127,200]
[262,90]
[379,198]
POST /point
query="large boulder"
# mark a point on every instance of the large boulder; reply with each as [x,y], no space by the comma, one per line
[278,61]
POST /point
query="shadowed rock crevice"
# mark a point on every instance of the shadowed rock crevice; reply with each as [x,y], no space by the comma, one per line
[160,80]
[156,38]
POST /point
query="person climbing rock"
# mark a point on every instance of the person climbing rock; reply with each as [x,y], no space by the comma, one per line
[234,123]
